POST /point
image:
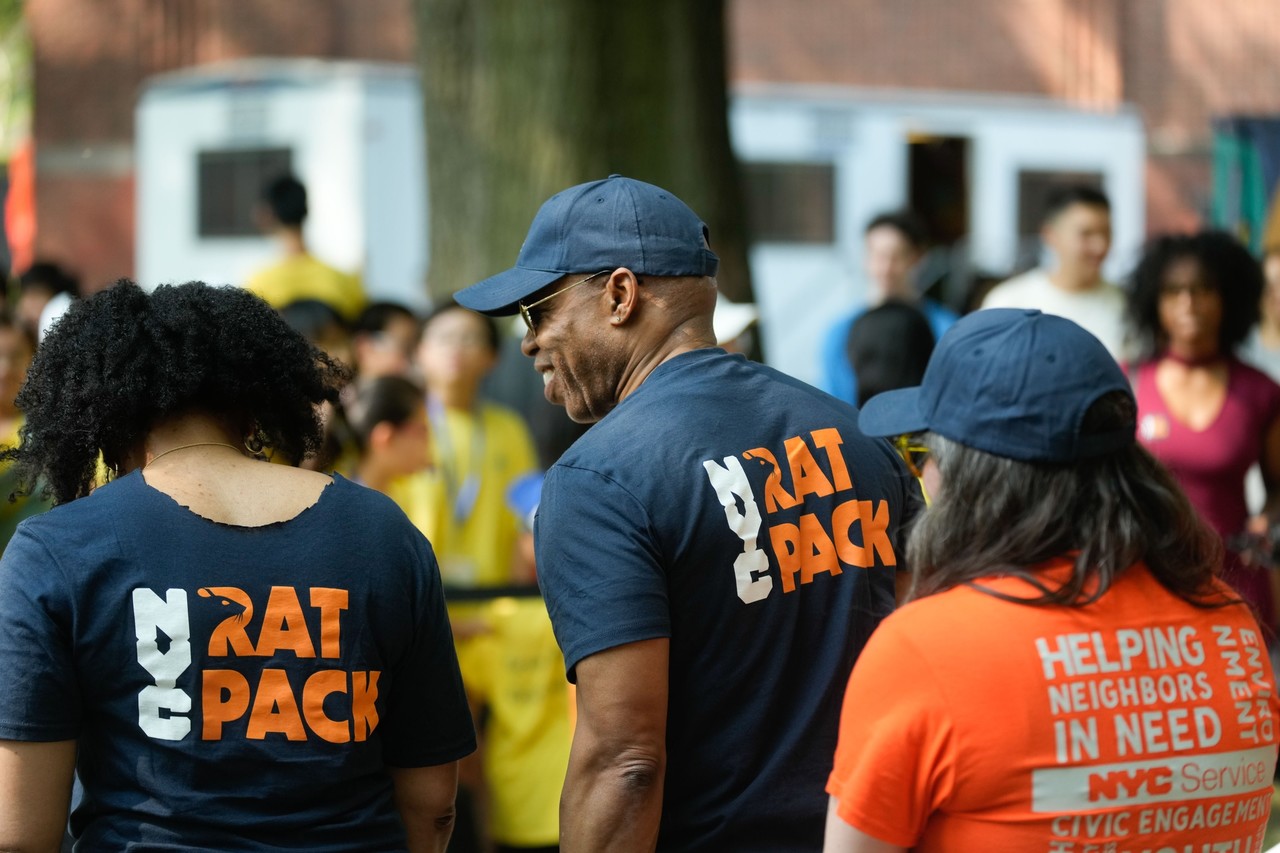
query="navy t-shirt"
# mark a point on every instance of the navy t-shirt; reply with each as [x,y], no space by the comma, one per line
[740,513]
[231,688]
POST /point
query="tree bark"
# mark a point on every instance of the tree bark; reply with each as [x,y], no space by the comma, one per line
[523,99]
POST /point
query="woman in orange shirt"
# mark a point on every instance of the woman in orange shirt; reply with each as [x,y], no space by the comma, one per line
[1069,674]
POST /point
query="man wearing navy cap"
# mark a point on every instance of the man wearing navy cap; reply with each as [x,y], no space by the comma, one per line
[714,552]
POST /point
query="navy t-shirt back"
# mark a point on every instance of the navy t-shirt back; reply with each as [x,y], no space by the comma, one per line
[231,688]
[740,513]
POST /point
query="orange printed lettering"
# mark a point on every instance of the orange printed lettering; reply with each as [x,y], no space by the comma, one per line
[283,626]
[819,555]
[829,440]
[875,532]
[364,693]
[319,686]
[330,603]
[775,496]
[806,475]
[230,637]
[224,697]
[274,708]
[804,548]
[842,521]
[786,547]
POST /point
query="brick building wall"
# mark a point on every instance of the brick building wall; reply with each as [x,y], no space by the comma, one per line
[1181,62]
[91,57]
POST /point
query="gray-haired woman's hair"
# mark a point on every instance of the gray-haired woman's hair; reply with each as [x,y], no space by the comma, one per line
[998,516]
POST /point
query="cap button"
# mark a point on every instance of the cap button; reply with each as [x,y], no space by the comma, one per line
[614,175]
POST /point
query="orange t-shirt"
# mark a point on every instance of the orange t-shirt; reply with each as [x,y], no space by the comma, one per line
[972,723]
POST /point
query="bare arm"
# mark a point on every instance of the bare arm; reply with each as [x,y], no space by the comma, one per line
[425,797]
[843,838]
[1270,465]
[35,794]
[612,797]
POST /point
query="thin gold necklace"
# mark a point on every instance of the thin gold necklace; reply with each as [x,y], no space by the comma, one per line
[194,444]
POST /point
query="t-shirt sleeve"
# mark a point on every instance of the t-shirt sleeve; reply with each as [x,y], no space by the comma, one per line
[895,759]
[599,565]
[1001,296]
[41,696]
[428,721]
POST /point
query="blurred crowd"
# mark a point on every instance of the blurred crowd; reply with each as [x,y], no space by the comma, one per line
[445,416]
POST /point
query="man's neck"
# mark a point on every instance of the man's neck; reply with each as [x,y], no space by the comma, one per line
[455,395]
[373,475]
[679,342]
[906,294]
[1269,331]
[1073,281]
[291,241]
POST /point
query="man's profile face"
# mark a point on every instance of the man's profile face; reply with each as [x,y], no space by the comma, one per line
[1080,237]
[889,259]
[575,361]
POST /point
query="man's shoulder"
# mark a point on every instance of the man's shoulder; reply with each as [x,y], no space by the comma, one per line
[1111,292]
[1014,292]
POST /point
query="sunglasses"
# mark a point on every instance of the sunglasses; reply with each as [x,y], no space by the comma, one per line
[912,452]
[530,320]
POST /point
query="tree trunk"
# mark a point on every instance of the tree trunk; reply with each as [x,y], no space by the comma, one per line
[523,99]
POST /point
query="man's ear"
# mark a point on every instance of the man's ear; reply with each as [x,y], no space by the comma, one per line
[381,434]
[622,290]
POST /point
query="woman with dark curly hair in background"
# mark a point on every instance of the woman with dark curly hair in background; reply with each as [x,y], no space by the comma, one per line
[1207,416]
[232,654]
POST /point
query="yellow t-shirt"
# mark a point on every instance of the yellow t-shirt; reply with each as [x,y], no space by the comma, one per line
[24,506]
[474,535]
[527,735]
[305,277]
[514,667]
[460,503]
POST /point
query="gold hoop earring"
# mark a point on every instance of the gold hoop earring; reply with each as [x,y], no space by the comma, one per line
[255,443]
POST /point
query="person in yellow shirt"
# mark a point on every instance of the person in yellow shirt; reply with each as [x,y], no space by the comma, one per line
[527,707]
[299,275]
[17,347]
[478,449]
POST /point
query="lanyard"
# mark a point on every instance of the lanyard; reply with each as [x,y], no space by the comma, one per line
[460,491]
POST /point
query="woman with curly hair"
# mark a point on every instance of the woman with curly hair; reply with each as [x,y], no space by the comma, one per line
[1203,413]
[231,654]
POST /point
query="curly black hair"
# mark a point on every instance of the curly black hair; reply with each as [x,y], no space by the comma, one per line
[120,362]
[1228,268]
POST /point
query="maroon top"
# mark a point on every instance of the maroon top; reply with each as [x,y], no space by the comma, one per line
[1211,464]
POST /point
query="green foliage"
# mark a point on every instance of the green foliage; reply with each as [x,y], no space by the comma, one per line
[15,77]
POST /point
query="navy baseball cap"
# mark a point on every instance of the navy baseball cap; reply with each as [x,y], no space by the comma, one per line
[1014,383]
[602,225]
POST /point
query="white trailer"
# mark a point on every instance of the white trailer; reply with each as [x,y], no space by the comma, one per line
[983,163]
[820,162]
[209,137]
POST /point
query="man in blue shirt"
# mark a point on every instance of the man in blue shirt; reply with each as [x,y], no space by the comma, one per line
[715,550]
[893,244]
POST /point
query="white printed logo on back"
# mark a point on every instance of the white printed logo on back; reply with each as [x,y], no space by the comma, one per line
[153,614]
[751,568]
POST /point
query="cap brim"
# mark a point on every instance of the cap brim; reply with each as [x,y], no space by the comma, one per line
[497,295]
[893,413]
